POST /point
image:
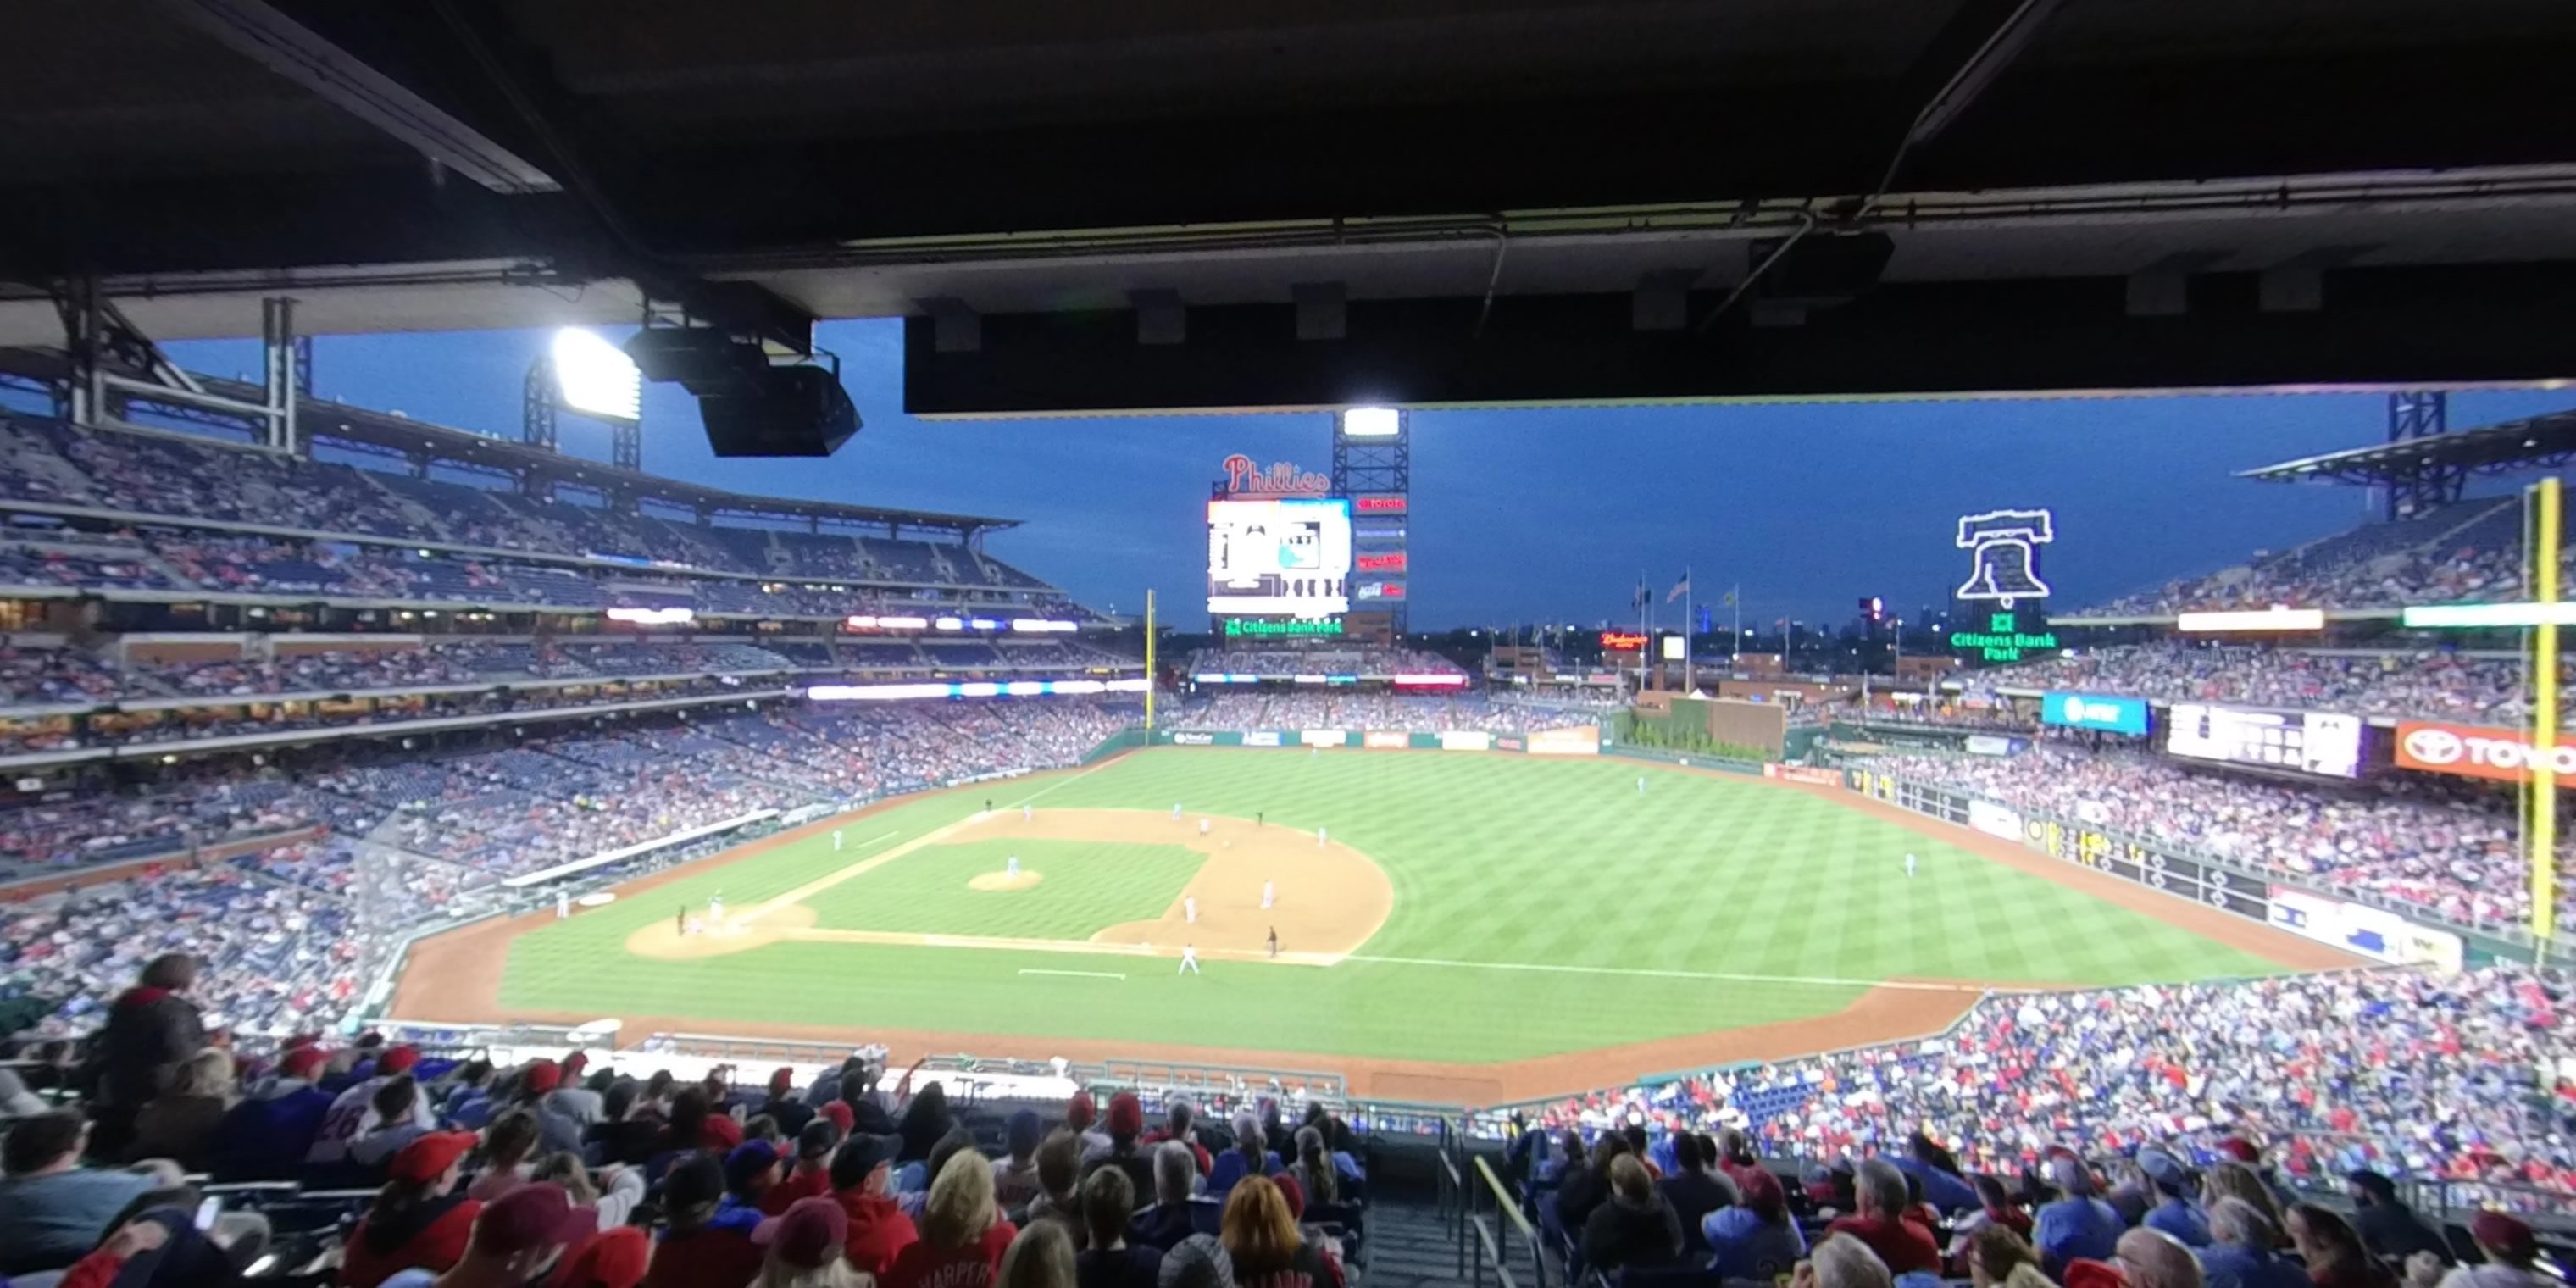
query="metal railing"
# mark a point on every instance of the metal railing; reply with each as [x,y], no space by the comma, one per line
[1467,1183]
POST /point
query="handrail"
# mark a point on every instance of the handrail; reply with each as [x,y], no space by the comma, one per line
[1504,1200]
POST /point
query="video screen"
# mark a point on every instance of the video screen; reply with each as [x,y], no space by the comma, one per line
[1287,557]
[2312,743]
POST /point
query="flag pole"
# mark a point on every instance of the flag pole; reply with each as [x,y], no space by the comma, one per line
[1689,624]
[1736,633]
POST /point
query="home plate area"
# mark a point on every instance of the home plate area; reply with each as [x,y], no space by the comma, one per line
[1329,898]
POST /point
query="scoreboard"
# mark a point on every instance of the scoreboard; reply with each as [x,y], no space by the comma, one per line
[2314,742]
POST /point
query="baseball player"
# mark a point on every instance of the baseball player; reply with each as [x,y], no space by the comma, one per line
[1320,836]
[836,840]
[1012,869]
[1909,865]
[1189,959]
[1190,909]
[1274,943]
[1203,825]
[1176,811]
[1641,784]
[680,921]
[563,904]
[1269,894]
[1024,811]
[1258,820]
[715,907]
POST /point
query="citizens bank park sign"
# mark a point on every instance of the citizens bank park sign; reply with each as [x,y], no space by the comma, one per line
[1245,478]
[2476,751]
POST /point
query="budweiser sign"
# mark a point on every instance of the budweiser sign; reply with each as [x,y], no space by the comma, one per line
[1244,478]
[2476,751]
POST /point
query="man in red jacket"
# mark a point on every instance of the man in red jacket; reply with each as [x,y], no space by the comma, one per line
[862,1172]
[1904,1245]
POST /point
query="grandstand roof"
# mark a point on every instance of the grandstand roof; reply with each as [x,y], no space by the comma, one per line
[2545,441]
[401,434]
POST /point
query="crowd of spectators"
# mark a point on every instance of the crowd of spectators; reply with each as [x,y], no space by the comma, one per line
[1370,661]
[2400,841]
[2469,552]
[171,475]
[1346,708]
[2466,1079]
[2407,685]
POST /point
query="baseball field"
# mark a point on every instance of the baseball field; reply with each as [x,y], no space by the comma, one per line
[1450,926]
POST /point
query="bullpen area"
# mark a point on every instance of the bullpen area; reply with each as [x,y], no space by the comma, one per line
[1457,927]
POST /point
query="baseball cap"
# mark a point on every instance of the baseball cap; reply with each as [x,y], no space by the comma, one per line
[1763,1194]
[860,1155]
[748,1159]
[539,1215]
[397,1060]
[2161,1167]
[839,1112]
[302,1061]
[780,1079]
[612,1259]
[2505,1234]
[574,1062]
[1126,1114]
[807,1235]
[1023,1132]
[2240,1149]
[1078,1111]
[1291,1193]
[818,1139]
[541,1076]
[427,1157]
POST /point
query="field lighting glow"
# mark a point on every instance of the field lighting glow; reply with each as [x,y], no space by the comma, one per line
[2456,616]
[594,378]
[972,689]
[1372,422]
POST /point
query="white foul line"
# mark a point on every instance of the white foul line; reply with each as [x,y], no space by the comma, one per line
[1721,976]
[1085,974]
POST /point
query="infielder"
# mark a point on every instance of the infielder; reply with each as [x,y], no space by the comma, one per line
[836,840]
[1269,894]
[1024,811]
[715,907]
[1176,811]
[1319,838]
[1274,942]
[1189,910]
[1012,869]
[1909,865]
[1189,960]
[1203,826]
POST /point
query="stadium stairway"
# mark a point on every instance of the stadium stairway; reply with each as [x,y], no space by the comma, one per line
[1412,1245]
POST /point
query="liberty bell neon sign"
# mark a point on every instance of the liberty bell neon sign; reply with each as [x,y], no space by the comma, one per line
[2005,547]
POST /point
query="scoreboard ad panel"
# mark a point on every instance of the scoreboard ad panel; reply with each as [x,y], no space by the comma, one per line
[2315,742]
[1288,557]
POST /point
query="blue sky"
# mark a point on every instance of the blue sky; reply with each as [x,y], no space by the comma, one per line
[1545,514]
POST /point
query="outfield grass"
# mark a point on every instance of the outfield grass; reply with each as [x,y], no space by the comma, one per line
[1540,907]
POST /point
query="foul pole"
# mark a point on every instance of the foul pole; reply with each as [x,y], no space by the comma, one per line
[1149,661]
[2541,830]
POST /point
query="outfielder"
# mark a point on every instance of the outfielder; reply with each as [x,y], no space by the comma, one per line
[1189,960]
[1320,836]
[1176,811]
[563,904]
[1909,865]
[1024,811]
[836,840]
[1269,894]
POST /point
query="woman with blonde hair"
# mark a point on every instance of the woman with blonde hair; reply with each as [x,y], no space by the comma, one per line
[1041,1257]
[963,1234]
[1261,1238]
[1998,1257]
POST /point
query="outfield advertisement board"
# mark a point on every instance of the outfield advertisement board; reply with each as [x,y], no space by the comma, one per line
[1994,820]
[2476,751]
[2371,932]
[1578,740]
[1261,737]
[1466,740]
[1386,738]
[1324,737]
[1987,744]
[1510,742]
[2313,742]
[1804,774]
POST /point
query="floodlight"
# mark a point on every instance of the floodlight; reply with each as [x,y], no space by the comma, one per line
[2435,616]
[594,378]
[1372,422]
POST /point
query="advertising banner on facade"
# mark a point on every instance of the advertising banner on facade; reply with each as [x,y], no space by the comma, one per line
[2475,751]
[1261,737]
[1807,774]
[1579,740]
[1986,744]
[1385,738]
[2358,928]
[1466,740]
[1325,737]
[1510,742]
[2093,711]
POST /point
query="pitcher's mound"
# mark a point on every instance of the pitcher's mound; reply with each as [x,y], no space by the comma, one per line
[1026,880]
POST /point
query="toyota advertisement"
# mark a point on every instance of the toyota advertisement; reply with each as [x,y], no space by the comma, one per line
[2475,751]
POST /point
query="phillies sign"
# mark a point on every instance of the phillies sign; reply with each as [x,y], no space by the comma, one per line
[2476,751]
[1244,478]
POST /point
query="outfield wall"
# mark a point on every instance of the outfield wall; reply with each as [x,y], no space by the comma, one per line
[2383,933]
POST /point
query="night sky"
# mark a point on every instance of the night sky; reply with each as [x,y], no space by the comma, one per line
[1520,516]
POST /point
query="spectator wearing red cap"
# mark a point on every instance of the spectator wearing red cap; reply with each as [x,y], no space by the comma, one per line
[963,1235]
[705,1243]
[841,1116]
[1756,1240]
[1079,1114]
[862,1181]
[615,1258]
[266,1136]
[1126,1125]
[353,1112]
[419,1221]
[2513,1257]
[805,1246]
[784,1107]
[517,1239]
[555,1129]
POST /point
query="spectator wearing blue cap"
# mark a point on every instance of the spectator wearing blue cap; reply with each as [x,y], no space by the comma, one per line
[2173,1212]
[751,1168]
[2079,1225]
[1015,1178]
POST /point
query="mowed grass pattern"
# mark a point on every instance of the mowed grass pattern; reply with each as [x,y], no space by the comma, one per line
[1088,885]
[1540,907]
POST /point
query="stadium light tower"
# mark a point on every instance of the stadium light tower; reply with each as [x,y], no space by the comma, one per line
[582,373]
